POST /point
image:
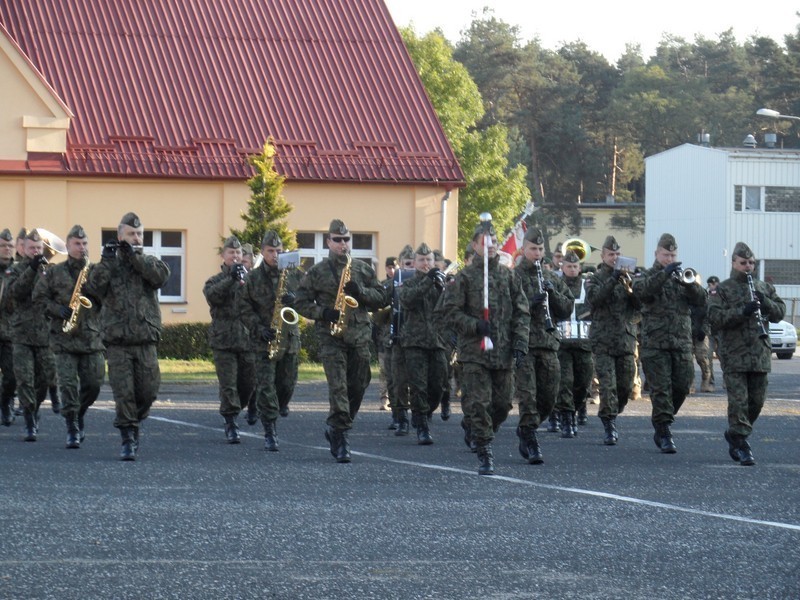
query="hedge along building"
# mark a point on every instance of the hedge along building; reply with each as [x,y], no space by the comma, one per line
[155,106]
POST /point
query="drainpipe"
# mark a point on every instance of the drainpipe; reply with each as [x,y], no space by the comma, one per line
[443,233]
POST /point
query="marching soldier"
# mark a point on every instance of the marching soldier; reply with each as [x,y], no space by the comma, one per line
[574,352]
[381,320]
[229,338]
[487,375]
[345,355]
[400,394]
[613,336]
[424,351]
[539,376]
[441,263]
[737,312]
[667,336]
[126,282]
[34,367]
[8,385]
[74,333]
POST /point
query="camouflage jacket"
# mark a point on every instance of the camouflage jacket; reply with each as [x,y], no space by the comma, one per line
[576,286]
[509,315]
[418,298]
[29,323]
[666,324]
[614,312]
[258,307]
[561,303]
[382,320]
[318,290]
[54,290]
[740,348]
[6,304]
[127,288]
[227,330]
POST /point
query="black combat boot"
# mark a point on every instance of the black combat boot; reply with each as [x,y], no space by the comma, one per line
[395,423]
[30,426]
[423,430]
[566,424]
[445,406]
[746,458]
[231,430]
[468,440]
[529,445]
[583,418]
[733,445]
[270,436]
[128,450]
[663,439]
[6,414]
[486,457]
[54,401]
[73,437]
[402,422]
[252,414]
[610,427]
[283,410]
[333,439]
[343,449]
[552,423]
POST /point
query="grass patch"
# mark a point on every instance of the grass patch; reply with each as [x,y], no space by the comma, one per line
[202,371]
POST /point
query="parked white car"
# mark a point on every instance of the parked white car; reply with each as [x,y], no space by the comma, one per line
[783,336]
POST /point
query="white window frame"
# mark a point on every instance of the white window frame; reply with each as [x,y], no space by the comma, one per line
[761,197]
[320,249]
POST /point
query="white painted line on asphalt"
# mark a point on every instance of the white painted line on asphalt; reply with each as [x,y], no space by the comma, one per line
[558,488]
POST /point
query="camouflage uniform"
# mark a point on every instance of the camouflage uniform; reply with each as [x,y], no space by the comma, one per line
[700,339]
[78,354]
[400,397]
[8,386]
[127,284]
[746,358]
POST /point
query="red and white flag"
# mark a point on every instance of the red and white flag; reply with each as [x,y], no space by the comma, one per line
[515,238]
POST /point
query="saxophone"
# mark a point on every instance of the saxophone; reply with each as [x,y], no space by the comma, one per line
[344,303]
[78,301]
[281,315]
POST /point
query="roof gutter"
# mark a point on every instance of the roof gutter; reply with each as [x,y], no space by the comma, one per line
[443,232]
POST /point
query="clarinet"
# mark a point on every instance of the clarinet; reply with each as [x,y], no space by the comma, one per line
[762,333]
[548,320]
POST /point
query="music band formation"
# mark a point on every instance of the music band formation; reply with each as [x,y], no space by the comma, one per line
[505,331]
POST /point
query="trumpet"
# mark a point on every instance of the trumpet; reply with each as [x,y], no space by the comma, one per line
[685,276]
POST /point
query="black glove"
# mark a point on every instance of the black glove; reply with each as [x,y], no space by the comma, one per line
[672,267]
[548,285]
[288,299]
[538,299]
[616,274]
[760,296]
[433,273]
[36,262]
[483,328]
[701,336]
[519,358]
[331,315]
[64,312]
[238,272]
[267,334]
[751,307]
[126,248]
[110,250]
[351,288]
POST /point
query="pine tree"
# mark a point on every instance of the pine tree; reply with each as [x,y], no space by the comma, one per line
[267,208]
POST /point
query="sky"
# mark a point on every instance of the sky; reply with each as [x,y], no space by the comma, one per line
[606,27]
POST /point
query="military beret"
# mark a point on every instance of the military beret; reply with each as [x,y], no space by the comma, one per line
[534,236]
[271,238]
[667,242]
[611,243]
[742,250]
[247,249]
[23,233]
[131,220]
[391,261]
[33,235]
[547,260]
[712,279]
[482,228]
[6,235]
[437,255]
[232,242]
[423,249]
[406,252]
[338,227]
[77,232]
[571,257]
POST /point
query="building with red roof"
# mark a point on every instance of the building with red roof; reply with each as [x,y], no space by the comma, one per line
[111,106]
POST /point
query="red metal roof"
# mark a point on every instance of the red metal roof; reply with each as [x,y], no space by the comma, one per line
[189,88]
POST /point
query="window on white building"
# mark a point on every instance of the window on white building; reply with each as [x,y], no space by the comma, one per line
[781,272]
[169,246]
[751,198]
[587,222]
[313,247]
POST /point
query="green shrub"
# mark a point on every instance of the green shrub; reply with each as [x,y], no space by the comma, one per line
[185,341]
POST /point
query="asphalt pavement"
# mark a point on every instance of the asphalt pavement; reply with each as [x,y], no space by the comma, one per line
[195,517]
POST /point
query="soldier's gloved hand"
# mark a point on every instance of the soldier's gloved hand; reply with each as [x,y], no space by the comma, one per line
[352,288]
[538,299]
[672,267]
[548,285]
[616,274]
[36,262]
[701,336]
[126,248]
[238,272]
[433,273]
[331,315]
[483,328]
[64,312]
[110,250]
[751,307]
[267,334]
[760,296]
[519,358]
[288,299]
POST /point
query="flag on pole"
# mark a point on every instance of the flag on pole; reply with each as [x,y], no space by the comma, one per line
[515,238]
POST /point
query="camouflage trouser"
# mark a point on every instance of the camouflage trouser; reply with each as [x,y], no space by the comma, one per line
[9,383]
[135,378]
[348,373]
[286,378]
[670,374]
[427,377]
[700,350]
[384,356]
[577,370]
[266,394]
[400,396]
[746,395]
[34,369]
[236,376]
[488,399]
[615,374]
[79,379]
[537,384]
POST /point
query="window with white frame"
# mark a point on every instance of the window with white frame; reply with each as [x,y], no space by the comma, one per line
[170,247]
[751,198]
[313,247]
